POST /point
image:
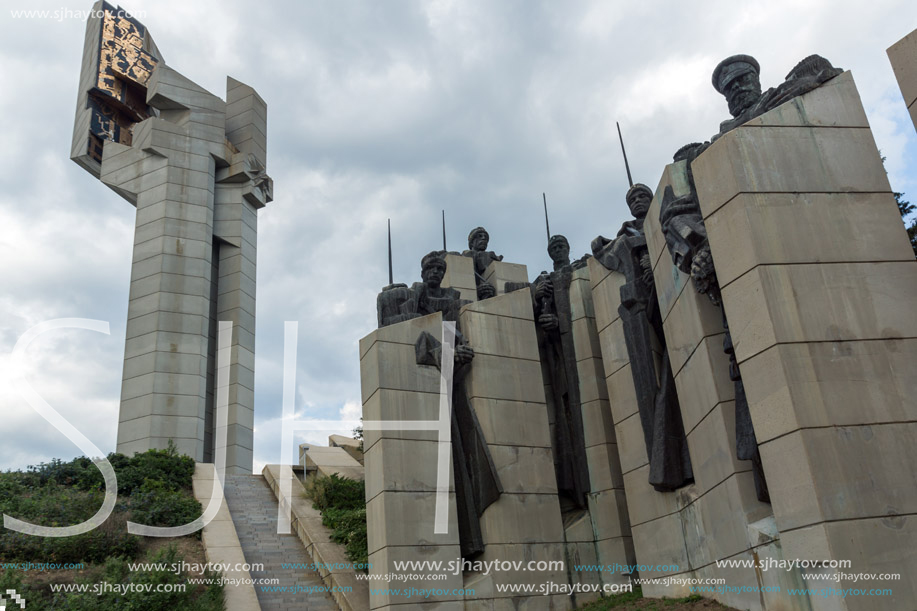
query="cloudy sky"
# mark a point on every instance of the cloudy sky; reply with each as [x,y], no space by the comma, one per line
[379,110]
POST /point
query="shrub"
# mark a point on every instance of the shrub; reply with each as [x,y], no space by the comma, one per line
[155,504]
[54,505]
[206,598]
[154,486]
[342,502]
[335,492]
[167,466]
[348,529]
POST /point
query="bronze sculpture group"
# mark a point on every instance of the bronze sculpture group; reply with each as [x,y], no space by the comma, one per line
[737,79]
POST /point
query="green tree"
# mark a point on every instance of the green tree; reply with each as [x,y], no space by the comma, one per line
[906,208]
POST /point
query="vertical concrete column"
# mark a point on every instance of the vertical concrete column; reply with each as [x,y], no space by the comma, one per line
[609,540]
[658,536]
[720,514]
[460,276]
[903,57]
[236,226]
[169,173]
[499,273]
[400,466]
[506,391]
[819,283]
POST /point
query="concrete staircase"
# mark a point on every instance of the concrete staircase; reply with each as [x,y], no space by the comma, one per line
[254,514]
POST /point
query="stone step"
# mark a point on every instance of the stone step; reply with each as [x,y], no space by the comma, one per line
[254,514]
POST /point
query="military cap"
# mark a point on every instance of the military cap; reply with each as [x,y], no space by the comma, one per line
[732,68]
[557,238]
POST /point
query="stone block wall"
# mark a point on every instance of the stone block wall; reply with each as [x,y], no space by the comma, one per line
[610,542]
[400,465]
[819,282]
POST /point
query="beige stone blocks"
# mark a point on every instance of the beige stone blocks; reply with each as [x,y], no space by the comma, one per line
[606,293]
[661,542]
[704,381]
[597,424]
[525,553]
[401,466]
[840,473]
[387,556]
[821,384]
[691,319]
[524,469]
[712,442]
[392,404]
[406,519]
[460,276]
[903,57]
[499,273]
[776,228]
[502,336]
[631,446]
[506,422]
[816,302]
[818,284]
[877,545]
[673,175]
[645,504]
[523,518]
[498,377]
[834,104]
[246,119]
[606,502]
[393,366]
[782,158]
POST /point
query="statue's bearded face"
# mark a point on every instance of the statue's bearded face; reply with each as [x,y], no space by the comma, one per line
[742,92]
[433,273]
[639,204]
[479,241]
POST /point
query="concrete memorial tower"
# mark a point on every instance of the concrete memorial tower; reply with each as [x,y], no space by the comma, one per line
[194,167]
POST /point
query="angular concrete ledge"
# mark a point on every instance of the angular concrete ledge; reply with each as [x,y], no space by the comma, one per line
[306,522]
[329,461]
[221,543]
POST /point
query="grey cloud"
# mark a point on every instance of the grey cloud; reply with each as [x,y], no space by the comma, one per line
[395,110]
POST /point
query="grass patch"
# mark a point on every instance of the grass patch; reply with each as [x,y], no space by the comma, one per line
[634,601]
[615,601]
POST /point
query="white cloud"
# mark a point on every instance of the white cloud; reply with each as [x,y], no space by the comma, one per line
[377,111]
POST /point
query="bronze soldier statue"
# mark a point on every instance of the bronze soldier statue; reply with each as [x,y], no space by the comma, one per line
[477,250]
[476,482]
[551,294]
[657,400]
